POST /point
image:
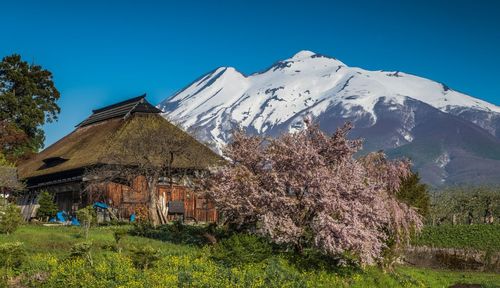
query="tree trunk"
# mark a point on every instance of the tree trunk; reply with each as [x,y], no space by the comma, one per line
[153,200]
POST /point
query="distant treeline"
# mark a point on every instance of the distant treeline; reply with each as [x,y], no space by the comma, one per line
[464,205]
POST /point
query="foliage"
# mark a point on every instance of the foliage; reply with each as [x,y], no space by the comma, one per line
[465,205]
[28,100]
[4,161]
[87,217]
[82,250]
[12,255]
[189,266]
[47,207]
[241,249]
[10,218]
[414,193]
[483,237]
[306,189]
[145,257]
[178,233]
[117,270]
[119,234]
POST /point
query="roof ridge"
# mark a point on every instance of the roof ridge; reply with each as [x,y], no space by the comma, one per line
[134,99]
[121,109]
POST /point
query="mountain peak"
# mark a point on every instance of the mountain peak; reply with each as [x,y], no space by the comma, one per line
[303,54]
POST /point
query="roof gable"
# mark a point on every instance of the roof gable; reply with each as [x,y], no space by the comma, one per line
[120,110]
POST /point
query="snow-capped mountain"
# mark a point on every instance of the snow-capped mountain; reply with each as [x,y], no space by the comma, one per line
[404,114]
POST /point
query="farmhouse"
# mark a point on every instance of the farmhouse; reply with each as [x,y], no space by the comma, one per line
[63,168]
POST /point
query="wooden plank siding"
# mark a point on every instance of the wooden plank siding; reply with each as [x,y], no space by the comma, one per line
[128,200]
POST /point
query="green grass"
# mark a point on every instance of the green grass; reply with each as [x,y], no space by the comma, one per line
[480,237]
[183,265]
[57,241]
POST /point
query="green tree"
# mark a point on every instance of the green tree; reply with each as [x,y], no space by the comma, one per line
[415,194]
[27,100]
[47,207]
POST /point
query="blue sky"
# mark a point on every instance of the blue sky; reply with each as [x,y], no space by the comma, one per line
[105,51]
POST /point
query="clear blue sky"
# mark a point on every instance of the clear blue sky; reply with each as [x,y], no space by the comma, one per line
[104,51]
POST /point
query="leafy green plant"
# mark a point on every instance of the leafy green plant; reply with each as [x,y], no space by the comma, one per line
[118,235]
[82,250]
[12,256]
[47,207]
[10,218]
[145,257]
[87,217]
[241,249]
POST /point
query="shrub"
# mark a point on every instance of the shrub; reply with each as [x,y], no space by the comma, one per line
[241,249]
[47,207]
[179,233]
[82,250]
[145,257]
[10,218]
[12,255]
[87,217]
[118,235]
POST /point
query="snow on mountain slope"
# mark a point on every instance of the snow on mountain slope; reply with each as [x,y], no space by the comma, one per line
[276,100]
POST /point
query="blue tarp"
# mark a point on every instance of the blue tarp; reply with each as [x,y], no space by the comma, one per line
[75,222]
[61,216]
[100,205]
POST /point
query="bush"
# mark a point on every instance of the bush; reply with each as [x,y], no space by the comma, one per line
[10,218]
[47,207]
[87,217]
[12,255]
[241,249]
[82,250]
[145,257]
[179,233]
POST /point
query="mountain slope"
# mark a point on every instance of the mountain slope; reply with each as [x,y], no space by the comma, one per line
[405,115]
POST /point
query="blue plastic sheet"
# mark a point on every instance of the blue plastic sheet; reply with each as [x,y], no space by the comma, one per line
[75,222]
[100,205]
[61,216]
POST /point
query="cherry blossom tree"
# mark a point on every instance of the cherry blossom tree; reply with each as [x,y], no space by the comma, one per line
[307,189]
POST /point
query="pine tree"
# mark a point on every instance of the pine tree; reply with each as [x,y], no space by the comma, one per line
[47,206]
[415,194]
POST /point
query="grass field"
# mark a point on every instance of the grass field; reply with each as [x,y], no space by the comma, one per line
[480,236]
[48,264]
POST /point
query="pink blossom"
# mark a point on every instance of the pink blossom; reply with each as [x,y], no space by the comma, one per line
[308,189]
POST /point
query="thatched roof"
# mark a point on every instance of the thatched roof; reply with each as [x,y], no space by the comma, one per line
[92,141]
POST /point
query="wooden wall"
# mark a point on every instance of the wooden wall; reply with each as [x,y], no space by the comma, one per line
[196,207]
[134,199]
